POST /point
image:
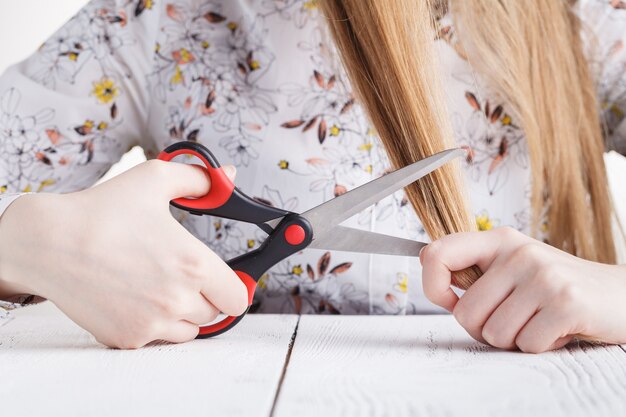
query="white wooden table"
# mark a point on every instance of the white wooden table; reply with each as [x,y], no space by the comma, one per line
[272,365]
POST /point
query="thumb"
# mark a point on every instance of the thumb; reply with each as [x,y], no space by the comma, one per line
[186,180]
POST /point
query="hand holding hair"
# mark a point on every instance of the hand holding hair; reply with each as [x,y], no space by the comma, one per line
[532,296]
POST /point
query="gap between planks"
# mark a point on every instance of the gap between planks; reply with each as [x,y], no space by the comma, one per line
[286,364]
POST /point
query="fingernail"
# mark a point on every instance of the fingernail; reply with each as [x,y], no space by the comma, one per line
[419,255]
[230,171]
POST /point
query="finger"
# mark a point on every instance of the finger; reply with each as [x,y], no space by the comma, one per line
[453,253]
[548,329]
[459,251]
[559,343]
[222,287]
[217,282]
[436,287]
[505,323]
[180,331]
[202,311]
[481,299]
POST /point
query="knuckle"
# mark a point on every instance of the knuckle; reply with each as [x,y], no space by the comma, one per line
[240,304]
[496,337]
[508,232]
[432,252]
[463,315]
[171,304]
[212,315]
[126,341]
[547,279]
[528,346]
[429,291]
[549,272]
[155,167]
[491,335]
[569,295]
[130,344]
[143,326]
[540,281]
[190,266]
[527,254]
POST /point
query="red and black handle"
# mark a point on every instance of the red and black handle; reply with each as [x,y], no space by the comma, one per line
[223,199]
[291,235]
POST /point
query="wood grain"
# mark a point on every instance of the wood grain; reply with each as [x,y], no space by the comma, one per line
[428,366]
[49,366]
[339,366]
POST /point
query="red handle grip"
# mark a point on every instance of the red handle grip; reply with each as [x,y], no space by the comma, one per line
[221,186]
[230,321]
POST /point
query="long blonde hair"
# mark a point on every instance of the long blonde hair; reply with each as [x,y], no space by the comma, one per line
[533,55]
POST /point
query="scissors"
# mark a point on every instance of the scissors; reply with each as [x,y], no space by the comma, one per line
[290,232]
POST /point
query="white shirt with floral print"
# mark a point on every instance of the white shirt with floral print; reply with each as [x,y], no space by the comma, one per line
[257,82]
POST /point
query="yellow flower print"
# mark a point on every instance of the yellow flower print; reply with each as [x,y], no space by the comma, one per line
[177,78]
[366,146]
[250,243]
[27,189]
[506,120]
[45,183]
[3,189]
[232,25]
[105,90]
[102,125]
[371,132]
[283,164]
[483,222]
[310,5]
[369,169]
[263,281]
[297,270]
[334,130]
[254,65]
[205,45]
[403,283]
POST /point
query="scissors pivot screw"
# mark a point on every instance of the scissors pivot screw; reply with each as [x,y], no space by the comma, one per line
[294,234]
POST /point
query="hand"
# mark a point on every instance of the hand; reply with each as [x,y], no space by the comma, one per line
[532,296]
[116,262]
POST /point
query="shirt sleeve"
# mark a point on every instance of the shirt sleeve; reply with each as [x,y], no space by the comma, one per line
[605,23]
[70,110]
[76,105]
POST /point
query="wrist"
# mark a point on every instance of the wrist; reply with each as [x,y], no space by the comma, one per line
[22,241]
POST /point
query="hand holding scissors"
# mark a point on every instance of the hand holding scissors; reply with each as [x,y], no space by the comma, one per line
[290,232]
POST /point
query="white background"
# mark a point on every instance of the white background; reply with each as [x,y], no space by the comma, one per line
[25,24]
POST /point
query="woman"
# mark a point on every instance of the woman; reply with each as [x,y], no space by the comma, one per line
[260,84]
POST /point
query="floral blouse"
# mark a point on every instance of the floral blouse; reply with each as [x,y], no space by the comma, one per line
[258,82]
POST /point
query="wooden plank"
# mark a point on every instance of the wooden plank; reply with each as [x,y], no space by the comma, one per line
[50,366]
[427,365]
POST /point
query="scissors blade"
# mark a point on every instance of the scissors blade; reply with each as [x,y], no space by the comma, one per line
[354,240]
[328,215]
